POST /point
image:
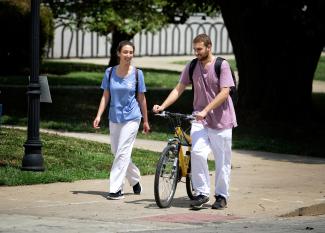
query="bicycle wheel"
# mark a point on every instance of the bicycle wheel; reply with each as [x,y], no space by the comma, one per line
[166,177]
[189,186]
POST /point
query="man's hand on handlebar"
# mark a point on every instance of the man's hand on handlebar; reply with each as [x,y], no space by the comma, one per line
[157,108]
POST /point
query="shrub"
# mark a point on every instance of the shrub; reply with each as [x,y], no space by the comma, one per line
[15,24]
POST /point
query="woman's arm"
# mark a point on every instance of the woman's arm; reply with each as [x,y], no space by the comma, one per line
[101,108]
[143,106]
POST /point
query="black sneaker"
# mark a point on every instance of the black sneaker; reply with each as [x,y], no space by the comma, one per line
[220,203]
[115,196]
[199,201]
[137,188]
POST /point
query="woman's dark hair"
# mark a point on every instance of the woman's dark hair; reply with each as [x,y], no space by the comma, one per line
[123,43]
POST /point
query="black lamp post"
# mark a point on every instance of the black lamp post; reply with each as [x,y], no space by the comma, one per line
[33,159]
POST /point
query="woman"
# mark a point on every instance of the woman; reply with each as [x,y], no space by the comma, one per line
[126,107]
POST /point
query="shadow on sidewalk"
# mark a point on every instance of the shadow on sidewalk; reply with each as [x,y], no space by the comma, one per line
[99,193]
[284,157]
[179,202]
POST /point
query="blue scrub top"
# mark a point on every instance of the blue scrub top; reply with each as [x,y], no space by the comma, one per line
[123,105]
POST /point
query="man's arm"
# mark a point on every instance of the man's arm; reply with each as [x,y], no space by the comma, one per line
[216,102]
[172,97]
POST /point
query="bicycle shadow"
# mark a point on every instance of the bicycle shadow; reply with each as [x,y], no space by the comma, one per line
[179,202]
[99,193]
[149,203]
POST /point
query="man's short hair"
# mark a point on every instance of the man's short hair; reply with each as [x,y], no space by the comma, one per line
[203,38]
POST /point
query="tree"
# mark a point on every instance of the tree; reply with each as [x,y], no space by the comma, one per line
[15,24]
[271,39]
[121,18]
[125,18]
[277,45]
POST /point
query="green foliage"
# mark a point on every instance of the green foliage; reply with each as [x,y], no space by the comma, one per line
[127,16]
[46,29]
[66,159]
[232,63]
[320,71]
[60,68]
[70,73]
[105,16]
[15,24]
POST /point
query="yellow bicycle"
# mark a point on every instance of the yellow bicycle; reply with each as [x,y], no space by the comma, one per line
[174,163]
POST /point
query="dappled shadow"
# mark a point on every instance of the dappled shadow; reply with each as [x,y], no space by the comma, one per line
[282,157]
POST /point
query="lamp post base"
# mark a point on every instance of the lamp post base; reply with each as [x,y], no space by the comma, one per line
[33,159]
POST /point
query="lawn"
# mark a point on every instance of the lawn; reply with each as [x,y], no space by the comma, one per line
[319,73]
[75,109]
[65,159]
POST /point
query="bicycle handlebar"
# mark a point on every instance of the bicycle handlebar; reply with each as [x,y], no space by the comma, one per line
[175,115]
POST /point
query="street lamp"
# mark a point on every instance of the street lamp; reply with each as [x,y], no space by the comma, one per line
[33,159]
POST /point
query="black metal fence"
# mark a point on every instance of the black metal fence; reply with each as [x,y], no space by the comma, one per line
[173,40]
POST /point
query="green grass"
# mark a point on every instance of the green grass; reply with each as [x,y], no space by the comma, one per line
[152,79]
[65,159]
[91,75]
[80,107]
[320,71]
[232,63]
[82,75]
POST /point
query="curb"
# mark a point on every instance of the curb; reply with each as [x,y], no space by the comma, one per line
[313,210]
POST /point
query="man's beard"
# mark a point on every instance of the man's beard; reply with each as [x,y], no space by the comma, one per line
[203,57]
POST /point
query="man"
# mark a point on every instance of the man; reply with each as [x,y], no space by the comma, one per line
[212,129]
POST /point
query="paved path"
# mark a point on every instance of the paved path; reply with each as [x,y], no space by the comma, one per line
[264,186]
[266,189]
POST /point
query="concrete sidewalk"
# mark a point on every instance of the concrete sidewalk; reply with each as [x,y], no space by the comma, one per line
[263,186]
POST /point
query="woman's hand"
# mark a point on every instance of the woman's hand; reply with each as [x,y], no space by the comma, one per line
[96,122]
[146,128]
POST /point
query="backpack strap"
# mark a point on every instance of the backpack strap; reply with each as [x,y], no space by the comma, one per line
[217,66]
[109,82]
[110,74]
[190,73]
[136,83]
[191,69]
[233,90]
[136,79]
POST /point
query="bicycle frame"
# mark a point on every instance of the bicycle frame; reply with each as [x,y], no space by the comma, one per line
[173,163]
[183,140]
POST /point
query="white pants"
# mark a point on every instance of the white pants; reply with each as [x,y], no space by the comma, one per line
[122,139]
[203,141]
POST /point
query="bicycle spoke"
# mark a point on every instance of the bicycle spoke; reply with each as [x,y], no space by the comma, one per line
[166,178]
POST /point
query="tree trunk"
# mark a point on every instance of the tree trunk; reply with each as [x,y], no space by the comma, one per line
[117,37]
[277,45]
